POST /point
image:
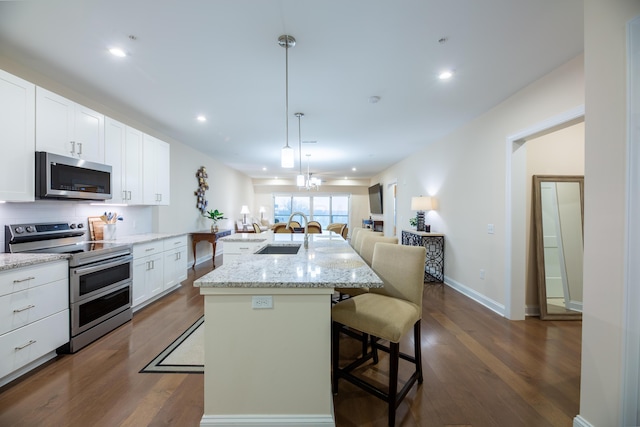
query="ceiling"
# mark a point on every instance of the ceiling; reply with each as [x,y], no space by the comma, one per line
[221,58]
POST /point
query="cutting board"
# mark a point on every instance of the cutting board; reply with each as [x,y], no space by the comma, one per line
[96,226]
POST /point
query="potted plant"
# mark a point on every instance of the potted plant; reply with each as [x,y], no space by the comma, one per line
[215,216]
[413,221]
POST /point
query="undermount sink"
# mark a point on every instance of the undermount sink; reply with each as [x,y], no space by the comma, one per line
[279,250]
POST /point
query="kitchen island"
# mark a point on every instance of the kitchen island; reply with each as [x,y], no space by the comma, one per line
[268,331]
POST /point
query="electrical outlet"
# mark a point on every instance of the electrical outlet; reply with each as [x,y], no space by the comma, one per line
[490,228]
[482,273]
[261,301]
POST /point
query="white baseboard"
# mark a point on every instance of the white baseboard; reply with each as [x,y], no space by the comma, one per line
[578,421]
[476,296]
[267,420]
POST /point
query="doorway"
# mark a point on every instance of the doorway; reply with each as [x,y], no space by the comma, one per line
[517,201]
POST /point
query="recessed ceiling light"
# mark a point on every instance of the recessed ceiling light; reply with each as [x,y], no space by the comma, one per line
[264,168]
[116,51]
[445,75]
[201,118]
[353,169]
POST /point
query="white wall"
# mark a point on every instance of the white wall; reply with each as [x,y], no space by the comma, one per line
[605,206]
[466,172]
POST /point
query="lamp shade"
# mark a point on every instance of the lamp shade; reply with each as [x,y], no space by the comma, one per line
[421,203]
[262,209]
[245,210]
[287,157]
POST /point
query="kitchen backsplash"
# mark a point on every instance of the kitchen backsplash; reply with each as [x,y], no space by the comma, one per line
[136,219]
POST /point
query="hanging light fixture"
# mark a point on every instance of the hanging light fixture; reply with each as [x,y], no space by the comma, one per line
[286,158]
[300,178]
[309,182]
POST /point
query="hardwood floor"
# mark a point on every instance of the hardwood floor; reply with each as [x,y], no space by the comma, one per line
[479,370]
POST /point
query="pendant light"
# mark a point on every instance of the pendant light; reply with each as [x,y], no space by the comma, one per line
[286,158]
[300,177]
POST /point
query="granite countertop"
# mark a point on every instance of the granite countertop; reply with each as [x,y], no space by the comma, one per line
[10,261]
[329,262]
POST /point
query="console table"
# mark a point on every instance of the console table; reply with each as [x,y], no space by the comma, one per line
[434,243]
[208,237]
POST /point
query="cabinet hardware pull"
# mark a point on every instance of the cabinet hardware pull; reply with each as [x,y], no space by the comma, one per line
[129,195]
[73,147]
[18,310]
[176,243]
[124,195]
[149,249]
[25,345]
[79,148]
[23,280]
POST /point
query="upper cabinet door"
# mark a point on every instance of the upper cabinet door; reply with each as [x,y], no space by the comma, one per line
[155,171]
[17,138]
[114,136]
[69,129]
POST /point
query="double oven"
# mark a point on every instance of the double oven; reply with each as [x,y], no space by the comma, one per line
[100,276]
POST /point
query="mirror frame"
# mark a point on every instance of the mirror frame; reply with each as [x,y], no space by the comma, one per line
[537,221]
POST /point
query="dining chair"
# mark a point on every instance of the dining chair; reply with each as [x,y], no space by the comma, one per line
[361,238]
[256,228]
[281,227]
[386,313]
[368,243]
[344,231]
[312,228]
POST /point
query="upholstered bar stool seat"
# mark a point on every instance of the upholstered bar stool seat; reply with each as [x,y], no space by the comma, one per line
[387,313]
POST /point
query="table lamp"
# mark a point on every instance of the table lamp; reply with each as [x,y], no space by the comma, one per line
[262,211]
[244,211]
[421,204]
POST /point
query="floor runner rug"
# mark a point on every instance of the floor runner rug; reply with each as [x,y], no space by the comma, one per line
[184,355]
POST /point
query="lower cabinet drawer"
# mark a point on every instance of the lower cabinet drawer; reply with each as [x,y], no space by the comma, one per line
[24,345]
[21,308]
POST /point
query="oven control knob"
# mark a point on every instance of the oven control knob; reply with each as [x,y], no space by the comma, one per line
[72,226]
[80,225]
[19,230]
[31,229]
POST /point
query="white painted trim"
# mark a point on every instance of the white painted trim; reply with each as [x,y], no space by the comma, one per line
[630,373]
[515,297]
[476,296]
[267,420]
[578,421]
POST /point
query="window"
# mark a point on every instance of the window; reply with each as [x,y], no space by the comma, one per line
[325,209]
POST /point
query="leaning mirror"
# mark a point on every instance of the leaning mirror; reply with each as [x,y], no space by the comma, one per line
[558,224]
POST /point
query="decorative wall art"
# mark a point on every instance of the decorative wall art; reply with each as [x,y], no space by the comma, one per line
[201,201]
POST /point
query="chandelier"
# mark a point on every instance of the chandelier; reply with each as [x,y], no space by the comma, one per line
[286,157]
[307,182]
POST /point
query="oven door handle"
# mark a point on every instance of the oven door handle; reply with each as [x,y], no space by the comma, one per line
[102,265]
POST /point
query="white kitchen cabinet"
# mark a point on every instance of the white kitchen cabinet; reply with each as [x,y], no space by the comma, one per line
[155,171]
[69,129]
[148,272]
[34,316]
[123,151]
[233,250]
[17,138]
[175,261]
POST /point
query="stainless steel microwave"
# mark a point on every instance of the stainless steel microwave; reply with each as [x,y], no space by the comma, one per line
[60,177]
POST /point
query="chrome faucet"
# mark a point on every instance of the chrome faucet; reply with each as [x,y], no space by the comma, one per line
[306,227]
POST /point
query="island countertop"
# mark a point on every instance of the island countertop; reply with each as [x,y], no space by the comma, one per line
[328,262]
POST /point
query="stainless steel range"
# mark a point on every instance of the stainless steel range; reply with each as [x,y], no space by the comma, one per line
[100,276]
